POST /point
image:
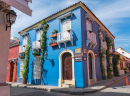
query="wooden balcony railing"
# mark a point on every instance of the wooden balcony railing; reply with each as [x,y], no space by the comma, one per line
[36,45]
[91,39]
[63,37]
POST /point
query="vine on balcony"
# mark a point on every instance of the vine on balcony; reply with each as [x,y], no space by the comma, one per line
[101,57]
[115,64]
[109,65]
[26,61]
[43,40]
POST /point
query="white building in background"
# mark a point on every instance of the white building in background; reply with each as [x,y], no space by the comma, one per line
[7,18]
[123,52]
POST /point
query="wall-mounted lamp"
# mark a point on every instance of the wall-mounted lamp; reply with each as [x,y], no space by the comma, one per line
[10,17]
[46,56]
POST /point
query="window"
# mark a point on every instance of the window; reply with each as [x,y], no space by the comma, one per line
[25,40]
[37,68]
[66,25]
[89,26]
[21,67]
[39,33]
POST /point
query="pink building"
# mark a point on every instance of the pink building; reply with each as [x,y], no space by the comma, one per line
[7,18]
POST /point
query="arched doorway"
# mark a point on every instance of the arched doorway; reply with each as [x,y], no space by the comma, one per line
[91,67]
[67,66]
[66,69]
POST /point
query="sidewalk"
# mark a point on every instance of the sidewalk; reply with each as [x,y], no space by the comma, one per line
[100,85]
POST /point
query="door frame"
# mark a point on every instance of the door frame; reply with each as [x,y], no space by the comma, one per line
[94,79]
[60,68]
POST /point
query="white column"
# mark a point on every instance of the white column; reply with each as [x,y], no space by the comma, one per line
[73,72]
[60,68]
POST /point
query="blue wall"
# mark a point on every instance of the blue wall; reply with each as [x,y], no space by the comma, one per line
[51,69]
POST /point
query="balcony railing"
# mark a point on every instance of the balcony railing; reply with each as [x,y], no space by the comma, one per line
[36,45]
[91,39]
[104,45]
[64,37]
[22,48]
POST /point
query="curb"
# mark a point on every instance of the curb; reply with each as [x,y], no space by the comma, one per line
[76,92]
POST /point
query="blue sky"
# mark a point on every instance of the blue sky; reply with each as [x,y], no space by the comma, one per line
[115,15]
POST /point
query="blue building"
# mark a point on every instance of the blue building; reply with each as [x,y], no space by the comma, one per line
[72,58]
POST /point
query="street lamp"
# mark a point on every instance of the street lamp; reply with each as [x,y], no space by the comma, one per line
[46,56]
[10,17]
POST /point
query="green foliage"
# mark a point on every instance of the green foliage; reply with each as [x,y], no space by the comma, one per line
[43,39]
[115,64]
[109,65]
[54,31]
[21,56]
[125,70]
[52,41]
[36,52]
[26,60]
[101,58]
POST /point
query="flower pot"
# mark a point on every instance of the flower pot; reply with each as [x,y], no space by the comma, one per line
[23,45]
[90,31]
[53,44]
[53,35]
[23,80]
[39,40]
[69,30]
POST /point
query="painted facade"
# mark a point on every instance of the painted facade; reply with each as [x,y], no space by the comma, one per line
[12,61]
[78,46]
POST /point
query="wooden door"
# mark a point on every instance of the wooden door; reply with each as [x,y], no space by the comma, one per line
[11,71]
[67,68]
[90,66]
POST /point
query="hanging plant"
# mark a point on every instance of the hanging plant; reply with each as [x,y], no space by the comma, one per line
[109,65]
[26,61]
[43,39]
[22,56]
[115,64]
[36,53]
[101,57]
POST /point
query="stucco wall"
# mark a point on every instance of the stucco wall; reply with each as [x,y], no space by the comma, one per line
[4,48]
[51,69]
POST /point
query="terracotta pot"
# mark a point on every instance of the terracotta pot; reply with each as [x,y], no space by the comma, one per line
[39,40]
[53,44]
[90,31]
[53,35]
[23,45]
[68,30]
[23,80]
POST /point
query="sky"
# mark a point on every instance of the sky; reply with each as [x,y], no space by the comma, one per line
[114,14]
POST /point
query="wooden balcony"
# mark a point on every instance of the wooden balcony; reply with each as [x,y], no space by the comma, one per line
[22,48]
[63,37]
[103,45]
[91,39]
[36,45]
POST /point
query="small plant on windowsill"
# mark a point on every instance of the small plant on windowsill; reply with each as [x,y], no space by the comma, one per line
[54,33]
[22,56]
[52,43]
[36,53]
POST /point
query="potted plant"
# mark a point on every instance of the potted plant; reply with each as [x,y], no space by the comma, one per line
[52,43]
[36,53]
[54,33]
[22,56]
[69,30]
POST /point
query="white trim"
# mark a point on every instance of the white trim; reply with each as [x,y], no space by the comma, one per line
[60,67]
[93,66]
[65,15]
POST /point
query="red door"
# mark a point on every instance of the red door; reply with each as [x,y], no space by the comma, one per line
[11,71]
[67,67]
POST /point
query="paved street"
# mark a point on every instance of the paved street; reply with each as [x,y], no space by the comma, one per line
[118,89]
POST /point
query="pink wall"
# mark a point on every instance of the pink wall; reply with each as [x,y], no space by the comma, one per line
[13,52]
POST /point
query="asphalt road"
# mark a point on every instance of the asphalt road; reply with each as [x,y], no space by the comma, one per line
[118,89]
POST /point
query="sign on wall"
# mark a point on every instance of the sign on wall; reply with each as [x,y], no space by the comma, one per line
[77,50]
[37,68]
[78,57]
